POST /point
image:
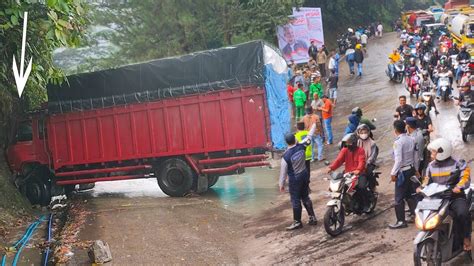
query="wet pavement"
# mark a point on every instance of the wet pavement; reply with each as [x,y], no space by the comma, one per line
[242,218]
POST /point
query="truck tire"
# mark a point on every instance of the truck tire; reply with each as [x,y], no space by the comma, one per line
[37,191]
[175,177]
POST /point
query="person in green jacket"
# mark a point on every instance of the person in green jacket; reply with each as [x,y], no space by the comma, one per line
[299,98]
[316,87]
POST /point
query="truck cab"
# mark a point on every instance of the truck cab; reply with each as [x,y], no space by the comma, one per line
[27,157]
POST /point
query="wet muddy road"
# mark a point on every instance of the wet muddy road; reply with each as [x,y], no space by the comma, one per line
[242,219]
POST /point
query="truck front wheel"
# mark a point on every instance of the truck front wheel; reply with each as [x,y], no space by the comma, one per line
[37,191]
[175,177]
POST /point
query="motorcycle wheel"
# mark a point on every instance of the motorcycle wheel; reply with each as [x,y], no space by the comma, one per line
[428,246]
[464,135]
[445,96]
[373,201]
[399,78]
[334,221]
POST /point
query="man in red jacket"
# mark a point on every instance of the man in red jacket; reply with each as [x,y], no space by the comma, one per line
[353,158]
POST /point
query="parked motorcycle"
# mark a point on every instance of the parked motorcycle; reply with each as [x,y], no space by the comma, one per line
[399,72]
[466,119]
[439,239]
[346,199]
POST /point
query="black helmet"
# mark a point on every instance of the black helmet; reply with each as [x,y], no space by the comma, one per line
[420,106]
[357,111]
[349,140]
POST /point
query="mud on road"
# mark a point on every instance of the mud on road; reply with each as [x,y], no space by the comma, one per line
[242,219]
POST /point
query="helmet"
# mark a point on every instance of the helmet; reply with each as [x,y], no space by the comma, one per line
[443,147]
[425,73]
[435,50]
[358,46]
[425,42]
[455,44]
[412,60]
[420,106]
[350,30]
[404,31]
[357,111]
[348,140]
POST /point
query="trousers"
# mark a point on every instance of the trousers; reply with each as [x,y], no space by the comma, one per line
[461,215]
[404,190]
[299,193]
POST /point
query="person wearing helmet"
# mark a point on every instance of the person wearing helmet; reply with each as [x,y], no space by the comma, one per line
[454,50]
[354,120]
[359,58]
[370,148]
[445,170]
[405,166]
[351,155]
[423,122]
[293,169]
[404,35]
[426,85]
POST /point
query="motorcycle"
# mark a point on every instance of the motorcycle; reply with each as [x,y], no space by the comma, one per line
[426,60]
[399,72]
[439,239]
[346,199]
[444,85]
[426,98]
[466,119]
[412,83]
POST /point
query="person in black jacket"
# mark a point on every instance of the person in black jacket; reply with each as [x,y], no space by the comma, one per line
[359,58]
[313,51]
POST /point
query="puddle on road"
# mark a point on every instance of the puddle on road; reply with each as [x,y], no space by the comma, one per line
[247,193]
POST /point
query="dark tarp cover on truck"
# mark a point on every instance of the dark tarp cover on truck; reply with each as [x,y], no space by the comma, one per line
[249,64]
[224,68]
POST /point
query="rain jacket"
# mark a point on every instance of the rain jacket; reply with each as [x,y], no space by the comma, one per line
[299,98]
[353,123]
[316,88]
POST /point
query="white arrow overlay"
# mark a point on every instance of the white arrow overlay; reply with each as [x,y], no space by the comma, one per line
[21,78]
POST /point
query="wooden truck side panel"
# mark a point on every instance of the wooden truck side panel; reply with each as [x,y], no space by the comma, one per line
[220,121]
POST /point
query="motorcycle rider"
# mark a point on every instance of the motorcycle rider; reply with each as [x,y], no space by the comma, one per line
[353,158]
[443,69]
[394,57]
[370,148]
[426,85]
[423,121]
[293,167]
[453,50]
[411,70]
[404,35]
[354,120]
[416,37]
[466,94]
[463,55]
[442,170]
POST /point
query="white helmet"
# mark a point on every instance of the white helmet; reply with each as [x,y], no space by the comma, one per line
[443,147]
[350,30]
[404,31]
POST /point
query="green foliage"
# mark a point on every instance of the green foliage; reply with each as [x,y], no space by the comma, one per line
[51,24]
[150,29]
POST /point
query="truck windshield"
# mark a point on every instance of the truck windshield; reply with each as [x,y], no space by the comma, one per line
[25,132]
[470,31]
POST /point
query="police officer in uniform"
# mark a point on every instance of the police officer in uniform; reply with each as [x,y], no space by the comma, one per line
[404,167]
[414,132]
[293,166]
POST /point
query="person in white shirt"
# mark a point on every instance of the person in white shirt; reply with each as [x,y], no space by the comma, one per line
[380,30]
[363,39]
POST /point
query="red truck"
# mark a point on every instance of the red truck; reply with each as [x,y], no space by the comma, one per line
[184,121]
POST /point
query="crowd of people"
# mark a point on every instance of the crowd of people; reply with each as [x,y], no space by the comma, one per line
[414,153]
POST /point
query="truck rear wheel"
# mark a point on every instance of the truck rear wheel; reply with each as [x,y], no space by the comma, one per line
[175,177]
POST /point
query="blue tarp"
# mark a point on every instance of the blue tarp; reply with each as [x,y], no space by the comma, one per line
[278,106]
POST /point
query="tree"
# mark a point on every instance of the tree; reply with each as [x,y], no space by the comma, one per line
[150,29]
[51,24]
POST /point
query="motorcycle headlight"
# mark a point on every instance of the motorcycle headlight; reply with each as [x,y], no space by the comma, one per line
[334,186]
[432,222]
[418,222]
